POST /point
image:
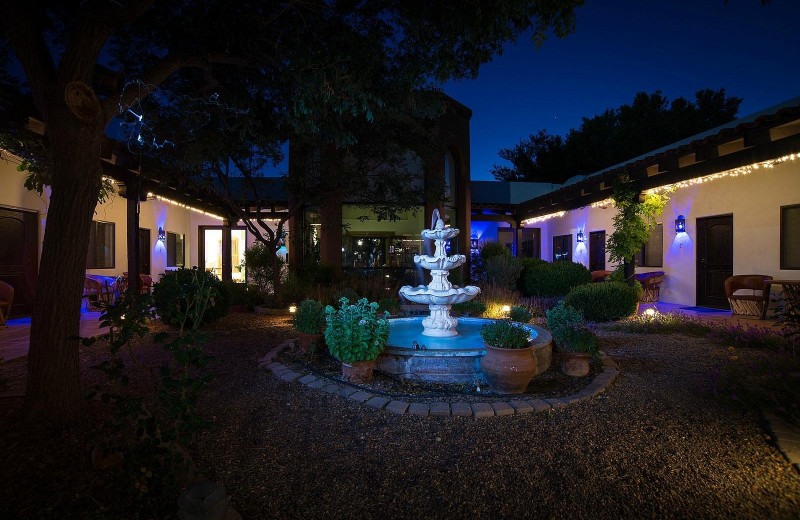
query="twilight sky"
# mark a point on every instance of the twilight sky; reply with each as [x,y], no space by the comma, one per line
[621,47]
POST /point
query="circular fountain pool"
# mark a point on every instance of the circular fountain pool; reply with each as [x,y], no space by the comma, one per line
[454,359]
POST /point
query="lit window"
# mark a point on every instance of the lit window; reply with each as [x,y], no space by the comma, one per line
[175,249]
[790,237]
[562,248]
[101,246]
[652,251]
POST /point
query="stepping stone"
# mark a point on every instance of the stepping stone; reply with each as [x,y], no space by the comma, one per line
[539,405]
[482,410]
[521,406]
[347,391]
[501,408]
[461,409]
[440,409]
[556,403]
[319,383]
[418,409]
[308,378]
[331,388]
[377,402]
[289,376]
[360,396]
[398,407]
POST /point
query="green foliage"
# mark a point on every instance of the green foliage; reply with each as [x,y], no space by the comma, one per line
[528,264]
[345,292]
[356,332]
[172,297]
[242,294]
[494,249]
[521,314]
[502,270]
[145,442]
[604,301]
[258,260]
[634,220]
[474,308]
[615,136]
[504,334]
[570,332]
[390,305]
[563,315]
[309,318]
[556,279]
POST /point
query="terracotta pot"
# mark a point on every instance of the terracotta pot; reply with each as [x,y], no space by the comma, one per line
[309,342]
[508,371]
[358,372]
[575,364]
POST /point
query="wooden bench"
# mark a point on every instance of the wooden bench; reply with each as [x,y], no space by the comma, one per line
[748,294]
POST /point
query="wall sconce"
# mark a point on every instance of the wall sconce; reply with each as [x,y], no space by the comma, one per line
[581,237]
[161,235]
[473,243]
[680,224]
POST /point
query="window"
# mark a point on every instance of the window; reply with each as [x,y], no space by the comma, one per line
[652,252]
[790,237]
[175,249]
[562,248]
[506,237]
[101,246]
[531,246]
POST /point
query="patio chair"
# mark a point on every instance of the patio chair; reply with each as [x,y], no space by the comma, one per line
[600,276]
[97,290]
[748,295]
[651,283]
[6,299]
[146,283]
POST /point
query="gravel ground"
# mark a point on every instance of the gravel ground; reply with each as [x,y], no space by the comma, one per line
[654,445]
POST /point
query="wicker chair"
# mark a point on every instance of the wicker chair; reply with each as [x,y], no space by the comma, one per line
[754,302]
[6,299]
[96,290]
[651,283]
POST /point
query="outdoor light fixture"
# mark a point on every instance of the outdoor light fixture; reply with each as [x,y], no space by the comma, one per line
[473,242]
[680,224]
[161,235]
[506,308]
[581,237]
[292,309]
[650,312]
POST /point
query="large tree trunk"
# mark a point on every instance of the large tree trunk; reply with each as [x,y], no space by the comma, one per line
[54,391]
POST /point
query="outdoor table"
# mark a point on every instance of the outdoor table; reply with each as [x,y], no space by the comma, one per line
[791,291]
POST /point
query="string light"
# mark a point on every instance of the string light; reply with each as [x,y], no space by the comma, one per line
[185,206]
[734,172]
[542,218]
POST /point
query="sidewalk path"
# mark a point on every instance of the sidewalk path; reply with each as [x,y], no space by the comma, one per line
[14,340]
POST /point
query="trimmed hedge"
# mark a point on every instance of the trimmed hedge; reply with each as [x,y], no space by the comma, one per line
[528,264]
[171,293]
[604,301]
[556,279]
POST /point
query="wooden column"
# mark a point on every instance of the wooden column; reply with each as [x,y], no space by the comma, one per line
[331,230]
[227,266]
[132,193]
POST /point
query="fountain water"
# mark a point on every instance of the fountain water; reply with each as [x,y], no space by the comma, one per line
[440,294]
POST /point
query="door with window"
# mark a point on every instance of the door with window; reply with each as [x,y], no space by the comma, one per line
[19,260]
[144,251]
[597,251]
[210,251]
[714,260]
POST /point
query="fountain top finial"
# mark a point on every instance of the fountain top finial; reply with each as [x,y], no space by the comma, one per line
[435,219]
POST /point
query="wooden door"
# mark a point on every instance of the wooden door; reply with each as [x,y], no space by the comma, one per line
[597,251]
[714,260]
[144,251]
[19,259]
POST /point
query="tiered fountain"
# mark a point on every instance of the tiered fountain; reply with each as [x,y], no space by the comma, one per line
[433,348]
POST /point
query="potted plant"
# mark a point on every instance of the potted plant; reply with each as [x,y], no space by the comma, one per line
[309,321]
[576,342]
[356,335]
[508,364]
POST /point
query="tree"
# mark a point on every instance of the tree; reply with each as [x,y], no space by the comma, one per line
[615,136]
[310,60]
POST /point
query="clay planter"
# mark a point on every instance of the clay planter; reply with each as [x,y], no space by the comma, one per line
[307,340]
[575,364]
[508,371]
[358,372]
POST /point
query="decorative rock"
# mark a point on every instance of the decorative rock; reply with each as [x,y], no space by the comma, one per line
[440,409]
[289,376]
[521,406]
[398,407]
[556,403]
[203,500]
[501,408]
[377,402]
[360,396]
[418,409]
[461,409]
[482,410]
[332,388]
[539,405]
[319,383]
[347,391]
[308,379]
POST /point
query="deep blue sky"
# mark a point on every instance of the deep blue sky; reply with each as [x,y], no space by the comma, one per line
[621,47]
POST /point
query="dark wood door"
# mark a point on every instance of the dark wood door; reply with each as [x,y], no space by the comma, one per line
[714,260]
[144,251]
[19,239]
[597,251]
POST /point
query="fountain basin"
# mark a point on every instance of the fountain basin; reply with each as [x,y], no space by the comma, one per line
[424,295]
[445,263]
[454,359]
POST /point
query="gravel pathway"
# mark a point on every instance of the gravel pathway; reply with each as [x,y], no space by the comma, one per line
[654,445]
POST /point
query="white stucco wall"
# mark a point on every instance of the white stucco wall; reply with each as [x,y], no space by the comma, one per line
[754,200]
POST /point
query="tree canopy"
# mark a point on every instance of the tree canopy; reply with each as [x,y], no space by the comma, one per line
[649,122]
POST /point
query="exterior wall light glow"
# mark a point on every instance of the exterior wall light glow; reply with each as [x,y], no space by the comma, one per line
[292,309]
[161,235]
[680,224]
[581,236]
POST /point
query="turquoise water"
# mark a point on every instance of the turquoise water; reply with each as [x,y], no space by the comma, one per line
[404,331]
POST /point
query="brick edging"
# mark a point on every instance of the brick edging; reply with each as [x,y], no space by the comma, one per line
[786,438]
[437,409]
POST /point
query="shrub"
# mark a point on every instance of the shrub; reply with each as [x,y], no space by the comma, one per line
[348,293]
[176,288]
[309,318]
[355,332]
[243,294]
[474,308]
[527,264]
[563,315]
[520,314]
[493,249]
[504,334]
[576,338]
[390,305]
[503,271]
[258,263]
[555,279]
[604,301]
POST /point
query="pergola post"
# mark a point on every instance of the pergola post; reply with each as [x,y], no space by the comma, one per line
[132,194]
[227,267]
